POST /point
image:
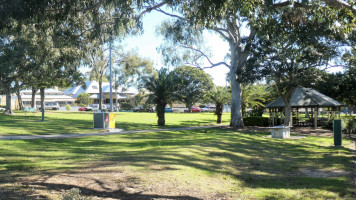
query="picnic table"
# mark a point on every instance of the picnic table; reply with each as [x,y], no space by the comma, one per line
[280,131]
[29,109]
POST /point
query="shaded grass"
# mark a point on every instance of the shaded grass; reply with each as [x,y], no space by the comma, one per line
[205,163]
[82,122]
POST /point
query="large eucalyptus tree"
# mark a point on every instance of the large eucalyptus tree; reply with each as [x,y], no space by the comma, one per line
[242,24]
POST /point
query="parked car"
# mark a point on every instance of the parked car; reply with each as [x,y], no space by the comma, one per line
[208,109]
[50,106]
[81,109]
[140,108]
[205,109]
[168,109]
[88,108]
[108,107]
[2,109]
[196,109]
[95,107]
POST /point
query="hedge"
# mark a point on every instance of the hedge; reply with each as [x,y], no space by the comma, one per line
[256,121]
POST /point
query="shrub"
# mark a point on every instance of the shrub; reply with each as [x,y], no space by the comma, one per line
[82,105]
[125,106]
[68,107]
[348,124]
[256,121]
[73,194]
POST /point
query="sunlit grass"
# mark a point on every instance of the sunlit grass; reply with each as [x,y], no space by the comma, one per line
[202,163]
[82,122]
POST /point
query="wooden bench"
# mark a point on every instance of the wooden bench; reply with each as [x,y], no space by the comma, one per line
[29,109]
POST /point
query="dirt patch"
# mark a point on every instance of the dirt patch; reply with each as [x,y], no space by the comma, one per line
[111,183]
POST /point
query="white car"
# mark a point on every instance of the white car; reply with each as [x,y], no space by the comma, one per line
[50,106]
[95,107]
[2,109]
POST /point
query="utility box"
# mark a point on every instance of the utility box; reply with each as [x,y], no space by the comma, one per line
[103,120]
[337,132]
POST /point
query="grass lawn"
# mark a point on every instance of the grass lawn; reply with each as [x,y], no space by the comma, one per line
[197,164]
[82,122]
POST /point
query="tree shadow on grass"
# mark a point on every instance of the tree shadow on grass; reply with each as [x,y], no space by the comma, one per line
[255,161]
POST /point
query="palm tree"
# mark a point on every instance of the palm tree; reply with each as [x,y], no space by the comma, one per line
[162,91]
[252,96]
[220,96]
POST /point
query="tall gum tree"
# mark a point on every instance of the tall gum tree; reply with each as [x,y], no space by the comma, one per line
[240,24]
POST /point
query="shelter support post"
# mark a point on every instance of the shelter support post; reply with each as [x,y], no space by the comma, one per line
[316,117]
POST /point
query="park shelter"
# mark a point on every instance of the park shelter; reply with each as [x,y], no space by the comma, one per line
[309,100]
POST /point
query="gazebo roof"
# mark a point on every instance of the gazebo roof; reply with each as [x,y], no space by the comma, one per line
[306,97]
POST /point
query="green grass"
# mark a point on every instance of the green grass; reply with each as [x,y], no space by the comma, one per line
[82,122]
[205,163]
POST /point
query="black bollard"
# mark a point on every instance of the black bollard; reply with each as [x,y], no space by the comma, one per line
[42,110]
[337,132]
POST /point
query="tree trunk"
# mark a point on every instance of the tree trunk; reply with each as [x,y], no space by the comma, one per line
[236,110]
[287,108]
[189,106]
[100,95]
[160,114]
[218,111]
[42,90]
[287,114]
[33,98]
[19,99]
[8,109]
[236,92]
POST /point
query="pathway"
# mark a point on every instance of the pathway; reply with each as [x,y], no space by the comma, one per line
[118,132]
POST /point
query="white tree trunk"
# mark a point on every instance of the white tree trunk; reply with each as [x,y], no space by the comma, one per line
[236,110]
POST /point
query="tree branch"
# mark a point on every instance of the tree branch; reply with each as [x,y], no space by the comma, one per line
[155,7]
[221,31]
[171,15]
[207,58]
[341,4]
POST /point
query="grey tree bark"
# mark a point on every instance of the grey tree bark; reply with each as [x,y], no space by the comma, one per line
[8,109]
[33,98]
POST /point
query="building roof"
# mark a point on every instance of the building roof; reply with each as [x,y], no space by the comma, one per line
[92,87]
[48,97]
[306,97]
[47,91]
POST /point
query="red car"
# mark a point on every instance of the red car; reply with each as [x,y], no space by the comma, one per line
[81,109]
[196,109]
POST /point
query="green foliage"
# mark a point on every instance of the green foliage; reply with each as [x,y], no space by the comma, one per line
[84,99]
[129,68]
[253,96]
[68,107]
[349,124]
[219,96]
[162,88]
[126,106]
[191,85]
[73,194]
[340,85]
[256,121]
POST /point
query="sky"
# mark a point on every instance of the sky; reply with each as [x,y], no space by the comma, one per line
[147,43]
